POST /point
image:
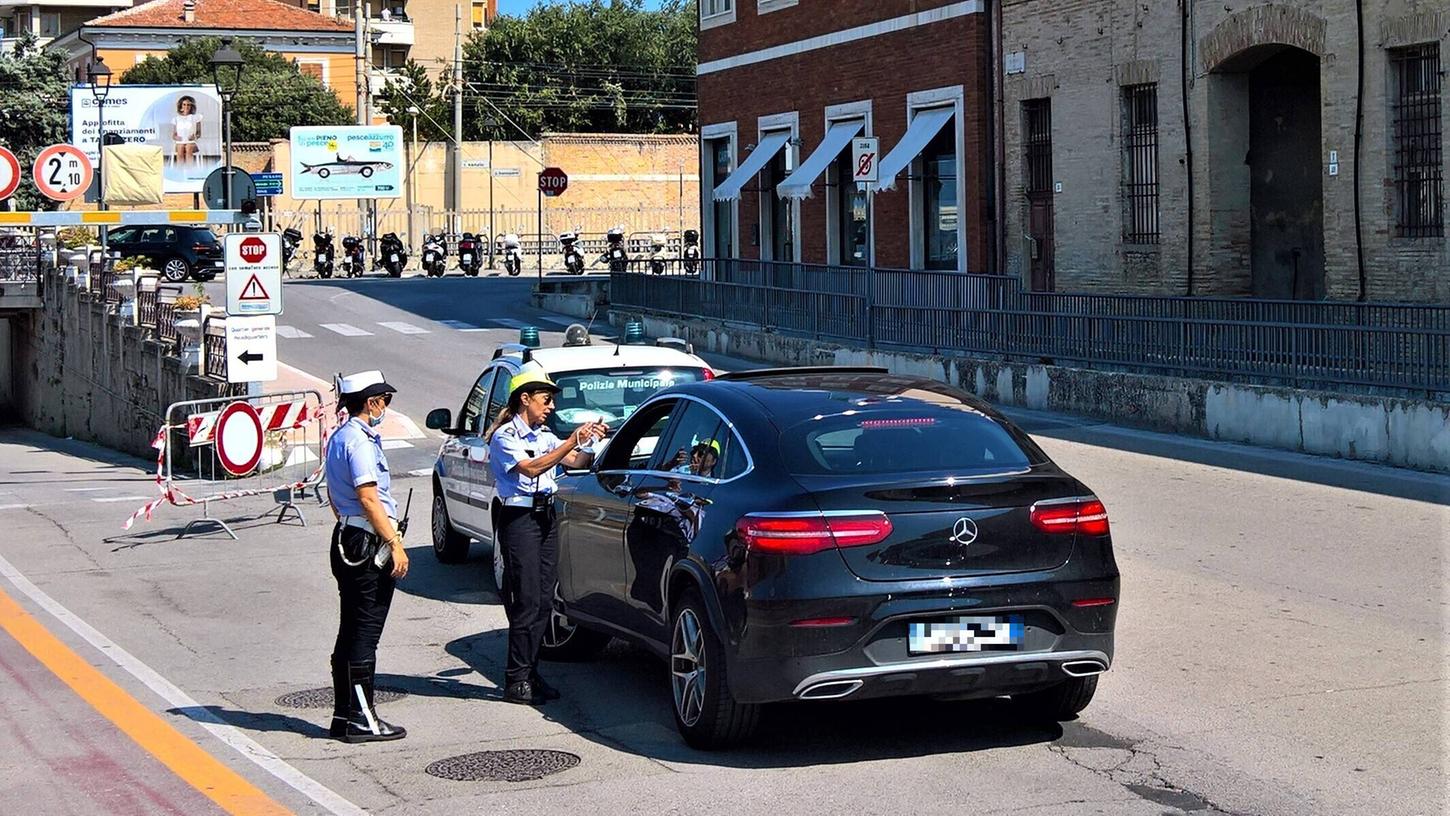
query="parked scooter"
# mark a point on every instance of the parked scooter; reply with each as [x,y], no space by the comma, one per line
[435,255]
[657,254]
[291,240]
[352,257]
[322,254]
[573,258]
[690,256]
[395,255]
[616,254]
[513,254]
[470,256]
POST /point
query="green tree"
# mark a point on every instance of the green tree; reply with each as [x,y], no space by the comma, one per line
[274,95]
[409,87]
[588,67]
[34,110]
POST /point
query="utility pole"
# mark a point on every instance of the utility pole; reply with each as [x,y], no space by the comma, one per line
[362,62]
[455,165]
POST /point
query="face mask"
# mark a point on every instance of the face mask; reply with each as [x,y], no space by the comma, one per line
[375,421]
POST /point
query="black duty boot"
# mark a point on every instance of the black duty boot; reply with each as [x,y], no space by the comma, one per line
[363,722]
[542,689]
[523,693]
[340,697]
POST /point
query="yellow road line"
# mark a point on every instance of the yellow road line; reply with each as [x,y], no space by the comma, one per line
[185,758]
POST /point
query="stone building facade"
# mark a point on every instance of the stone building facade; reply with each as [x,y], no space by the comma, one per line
[1308,161]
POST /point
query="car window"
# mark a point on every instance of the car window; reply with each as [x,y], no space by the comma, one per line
[635,443]
[693,446]
[124,235]
[499,396]
[609,395]
[151,234]
[199,236]
[895,440]
[733,459]
[473,406]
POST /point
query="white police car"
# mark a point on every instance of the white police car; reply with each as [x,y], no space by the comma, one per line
[600,382]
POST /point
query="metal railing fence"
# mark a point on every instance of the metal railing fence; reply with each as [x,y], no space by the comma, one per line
[1364,346]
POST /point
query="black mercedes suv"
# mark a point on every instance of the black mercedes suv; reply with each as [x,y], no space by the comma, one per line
[835,533]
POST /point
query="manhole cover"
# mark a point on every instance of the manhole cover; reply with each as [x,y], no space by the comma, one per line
[322,697]
[502,766]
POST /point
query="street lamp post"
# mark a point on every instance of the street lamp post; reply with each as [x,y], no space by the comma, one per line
[412,196]
[489,124]
[99,76]
[226,74]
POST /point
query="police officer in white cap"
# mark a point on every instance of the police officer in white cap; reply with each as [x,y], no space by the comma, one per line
[524,457]
[367,554]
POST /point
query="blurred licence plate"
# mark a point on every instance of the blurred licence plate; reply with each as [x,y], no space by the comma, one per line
[965,634]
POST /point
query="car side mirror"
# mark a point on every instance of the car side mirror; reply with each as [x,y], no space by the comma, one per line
[441,419]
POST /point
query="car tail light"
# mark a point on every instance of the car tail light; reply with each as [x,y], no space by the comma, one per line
[1086,516]
[1086,602]
[822,623]
[803,535]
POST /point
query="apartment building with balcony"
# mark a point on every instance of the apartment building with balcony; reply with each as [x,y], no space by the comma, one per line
[400,30]
[48,19]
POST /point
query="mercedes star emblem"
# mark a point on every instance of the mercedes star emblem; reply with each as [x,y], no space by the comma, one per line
[964,532]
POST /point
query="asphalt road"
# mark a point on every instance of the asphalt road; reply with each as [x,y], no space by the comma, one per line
[1281,641]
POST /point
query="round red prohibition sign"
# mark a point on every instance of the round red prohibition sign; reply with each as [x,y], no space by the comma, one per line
[62,172]
[239,438]
[9,174]
[253,250]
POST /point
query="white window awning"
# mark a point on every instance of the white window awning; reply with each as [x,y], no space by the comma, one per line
[798,185]
[924,127]
[770,144]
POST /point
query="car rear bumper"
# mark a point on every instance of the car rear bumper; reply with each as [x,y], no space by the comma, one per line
[959,674]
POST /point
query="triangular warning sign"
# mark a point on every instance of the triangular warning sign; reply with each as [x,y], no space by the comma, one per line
[254,291]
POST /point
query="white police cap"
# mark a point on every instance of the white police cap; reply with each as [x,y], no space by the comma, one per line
[364,384]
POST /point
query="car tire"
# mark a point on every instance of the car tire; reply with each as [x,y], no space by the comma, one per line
[707,715]
[175,270]
[565,640]
[1060,702]
[449,545]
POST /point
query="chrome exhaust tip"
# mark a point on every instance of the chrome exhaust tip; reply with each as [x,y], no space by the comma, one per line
[1084,668]
[831,690]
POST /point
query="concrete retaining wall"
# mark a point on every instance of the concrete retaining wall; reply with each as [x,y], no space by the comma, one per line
[1404,432]
[80,371]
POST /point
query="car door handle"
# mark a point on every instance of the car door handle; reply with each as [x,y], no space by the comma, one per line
[620,490]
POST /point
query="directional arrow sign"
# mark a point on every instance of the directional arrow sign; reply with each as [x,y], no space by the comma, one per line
[251,349]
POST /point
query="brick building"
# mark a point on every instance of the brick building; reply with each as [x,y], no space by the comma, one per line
[784,85]
[1311,164]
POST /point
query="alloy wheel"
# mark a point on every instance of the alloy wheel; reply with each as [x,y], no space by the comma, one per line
[175,270]
[687,667]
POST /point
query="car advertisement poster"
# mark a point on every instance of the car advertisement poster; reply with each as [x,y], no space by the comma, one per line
[347,161]
[183,120]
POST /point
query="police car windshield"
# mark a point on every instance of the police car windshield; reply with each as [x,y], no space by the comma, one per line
[609,395]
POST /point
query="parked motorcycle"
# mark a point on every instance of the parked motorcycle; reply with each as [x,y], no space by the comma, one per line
[395,255]
[352,257]
[322,254]
[291,240]
[513,254]
[470,255]
[435,255]
[657,254]
[690,256]
[616,254]
[573,258]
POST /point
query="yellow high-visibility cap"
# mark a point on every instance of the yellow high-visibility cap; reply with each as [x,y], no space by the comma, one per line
[713,444]
[531,377]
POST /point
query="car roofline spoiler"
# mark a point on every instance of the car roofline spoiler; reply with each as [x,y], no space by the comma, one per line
[764,373]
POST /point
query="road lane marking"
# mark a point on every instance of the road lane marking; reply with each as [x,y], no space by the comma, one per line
[403,328]
[421,472]
[97,683]
[461,326]
[396,444]
[85,489]
[346,330]
[14,506]
[507,323]
[292,333]
[124,498]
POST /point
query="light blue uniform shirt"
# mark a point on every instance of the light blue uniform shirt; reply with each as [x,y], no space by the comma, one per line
[355,458]
[517,442]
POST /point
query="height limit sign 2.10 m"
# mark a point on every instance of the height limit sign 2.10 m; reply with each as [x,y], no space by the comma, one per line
[254,274]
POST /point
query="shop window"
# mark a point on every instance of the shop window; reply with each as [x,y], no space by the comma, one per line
[940,208]
[853,215]
[1419,162]
[1140,164]
[722,238]
[777,214]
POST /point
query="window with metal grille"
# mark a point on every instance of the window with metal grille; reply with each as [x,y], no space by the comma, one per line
[1037,144]
[1140,164]
[1418,153]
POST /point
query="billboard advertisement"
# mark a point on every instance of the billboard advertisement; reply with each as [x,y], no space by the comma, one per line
[183,120]
[347,161]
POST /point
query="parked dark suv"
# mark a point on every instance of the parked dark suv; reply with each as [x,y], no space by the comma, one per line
[177,252]
[839,533]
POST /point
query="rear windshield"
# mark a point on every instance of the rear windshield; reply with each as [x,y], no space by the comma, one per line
[902,441]
[198,235]
[609,395]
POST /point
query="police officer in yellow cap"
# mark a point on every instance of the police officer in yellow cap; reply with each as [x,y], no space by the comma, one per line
[524,457]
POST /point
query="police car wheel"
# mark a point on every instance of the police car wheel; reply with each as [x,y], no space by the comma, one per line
[566,640]
[449,545]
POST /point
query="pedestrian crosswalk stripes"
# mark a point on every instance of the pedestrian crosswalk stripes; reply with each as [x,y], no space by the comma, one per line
[292,333]
[460,325]
[403,328]
[345,329]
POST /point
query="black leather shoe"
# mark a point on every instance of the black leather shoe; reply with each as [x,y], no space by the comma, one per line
[523,693]
[363,732]
[543,689]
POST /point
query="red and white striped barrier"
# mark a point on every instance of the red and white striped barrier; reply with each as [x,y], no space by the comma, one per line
[283,416]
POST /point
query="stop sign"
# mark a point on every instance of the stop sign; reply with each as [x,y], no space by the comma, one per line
[553,181]
[253,250]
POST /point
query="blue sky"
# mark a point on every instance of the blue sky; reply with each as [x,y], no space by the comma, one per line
[522,6]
